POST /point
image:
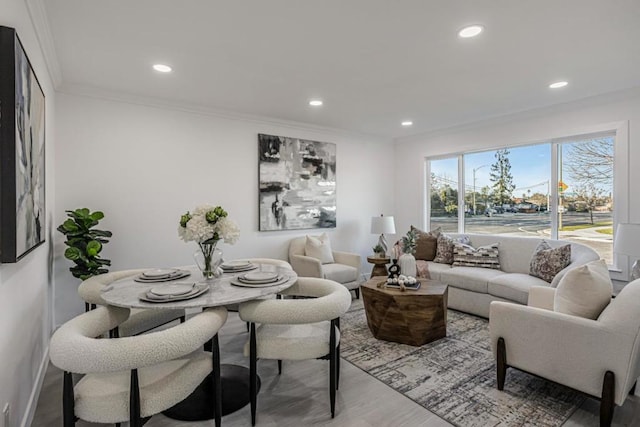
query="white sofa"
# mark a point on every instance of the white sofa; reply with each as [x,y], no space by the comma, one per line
[472,289]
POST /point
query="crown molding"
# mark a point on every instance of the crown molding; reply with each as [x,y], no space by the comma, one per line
[114,96]
[40,21]
[590,101]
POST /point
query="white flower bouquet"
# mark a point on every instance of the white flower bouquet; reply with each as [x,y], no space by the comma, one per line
[208,225]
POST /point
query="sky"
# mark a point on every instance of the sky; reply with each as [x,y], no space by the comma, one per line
[530,168]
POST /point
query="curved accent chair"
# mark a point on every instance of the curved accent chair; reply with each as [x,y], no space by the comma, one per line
[598,357]
[131,378]
[297,329]
[140,320]
[344,269]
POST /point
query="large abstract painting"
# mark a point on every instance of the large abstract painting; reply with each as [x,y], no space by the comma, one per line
[297,183]
[22,161]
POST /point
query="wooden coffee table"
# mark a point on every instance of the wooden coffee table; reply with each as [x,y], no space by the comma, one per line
[410,317]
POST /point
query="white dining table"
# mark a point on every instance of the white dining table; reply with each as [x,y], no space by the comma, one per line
[235,379]
[126,292]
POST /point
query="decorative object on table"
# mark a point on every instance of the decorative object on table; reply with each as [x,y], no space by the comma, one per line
[379,251]
[394,270]
[177,292]
[403,282]
[152,276]
[297,183]
[627,242]
[85,243]
[407,261]
[237,266]
[206,226]
[22,151]
[381,225]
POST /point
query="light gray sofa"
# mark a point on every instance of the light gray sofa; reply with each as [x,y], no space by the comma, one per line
[471,289]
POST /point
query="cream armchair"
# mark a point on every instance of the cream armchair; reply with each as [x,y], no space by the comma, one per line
[598,357]
[345,269]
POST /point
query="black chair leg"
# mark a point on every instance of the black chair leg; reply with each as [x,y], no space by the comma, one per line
[332,368]
[338,362]
[182,319]
[501,363]
[633,389]
[357,293]
[607,403]
[69,418]
[247,326]
[279,367]
[217,383]
[253,374]
[134,400]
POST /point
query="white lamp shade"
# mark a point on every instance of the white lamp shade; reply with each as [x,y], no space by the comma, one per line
[383,225]
[627,240]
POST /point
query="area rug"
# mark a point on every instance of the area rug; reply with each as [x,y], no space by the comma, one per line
[455,377]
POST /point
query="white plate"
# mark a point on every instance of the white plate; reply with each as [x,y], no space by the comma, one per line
[234,281]
[173,289]
[181,274]
[259,276]
[236,264]
[160,272]
[198,290]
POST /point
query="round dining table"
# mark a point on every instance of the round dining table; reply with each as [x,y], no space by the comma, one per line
[222,291]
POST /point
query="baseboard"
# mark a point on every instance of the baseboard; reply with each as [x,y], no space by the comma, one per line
[35,392]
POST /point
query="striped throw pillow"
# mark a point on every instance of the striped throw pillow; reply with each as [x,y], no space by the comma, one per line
[482,256]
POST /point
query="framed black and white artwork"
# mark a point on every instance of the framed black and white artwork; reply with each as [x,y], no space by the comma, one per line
[22,144]
[297,183]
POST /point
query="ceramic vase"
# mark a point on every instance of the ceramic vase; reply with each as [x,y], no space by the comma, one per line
[407,263]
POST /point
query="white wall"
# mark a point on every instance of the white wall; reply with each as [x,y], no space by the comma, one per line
[620,110]
[26,287]
[145,166]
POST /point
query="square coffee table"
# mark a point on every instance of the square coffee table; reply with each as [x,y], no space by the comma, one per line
[410,317]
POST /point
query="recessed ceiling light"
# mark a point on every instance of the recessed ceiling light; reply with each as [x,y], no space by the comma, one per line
[558,85]
[315,102]
[162,68]
[470,31]
[407,123]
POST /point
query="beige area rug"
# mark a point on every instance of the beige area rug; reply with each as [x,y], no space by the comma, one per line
[455,377]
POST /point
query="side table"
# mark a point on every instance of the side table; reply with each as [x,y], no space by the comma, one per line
[379,265]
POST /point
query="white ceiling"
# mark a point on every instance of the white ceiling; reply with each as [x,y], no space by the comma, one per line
[373,62]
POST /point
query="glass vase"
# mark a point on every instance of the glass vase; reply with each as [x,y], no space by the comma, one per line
[208,259]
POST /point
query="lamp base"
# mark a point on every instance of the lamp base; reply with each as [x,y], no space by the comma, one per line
[635,271]
[382,241]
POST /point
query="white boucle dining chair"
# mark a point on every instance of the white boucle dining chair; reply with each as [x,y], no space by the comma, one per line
[140,320]
[297,329]
[132,378]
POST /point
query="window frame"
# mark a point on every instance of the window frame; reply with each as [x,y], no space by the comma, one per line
[620,268]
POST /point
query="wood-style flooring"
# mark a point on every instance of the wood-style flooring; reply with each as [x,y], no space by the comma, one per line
[299,397]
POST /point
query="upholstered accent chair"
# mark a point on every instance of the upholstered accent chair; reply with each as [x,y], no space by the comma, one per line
[598,357]
[132,378]
[341,267]
[297,329]
[140,320]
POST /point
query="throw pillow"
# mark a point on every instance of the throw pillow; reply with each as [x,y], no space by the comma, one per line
[482,256]
[426,243]
[584,291]
[547,261]
[319,247]
[444,252]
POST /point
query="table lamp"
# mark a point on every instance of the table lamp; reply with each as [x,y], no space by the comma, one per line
[381,225]
[627,242]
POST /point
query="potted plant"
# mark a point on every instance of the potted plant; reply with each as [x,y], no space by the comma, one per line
[407,261]
[85,243]
[379,251]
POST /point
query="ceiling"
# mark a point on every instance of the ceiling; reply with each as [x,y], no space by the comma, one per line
[374,63]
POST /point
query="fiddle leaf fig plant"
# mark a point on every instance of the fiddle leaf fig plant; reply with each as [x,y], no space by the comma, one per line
[85,243]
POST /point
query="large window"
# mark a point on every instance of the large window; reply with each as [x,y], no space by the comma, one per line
[515,191]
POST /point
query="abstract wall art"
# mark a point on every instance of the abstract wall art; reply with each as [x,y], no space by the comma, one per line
[297,183]
[22,144]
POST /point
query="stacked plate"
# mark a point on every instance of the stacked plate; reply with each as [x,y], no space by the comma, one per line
[237,266]
[259,279]
[161,275]
[174,292]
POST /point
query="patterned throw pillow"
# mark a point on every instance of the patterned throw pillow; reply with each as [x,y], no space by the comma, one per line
[444,252]
[547,261]
[426,243]
[482,256]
